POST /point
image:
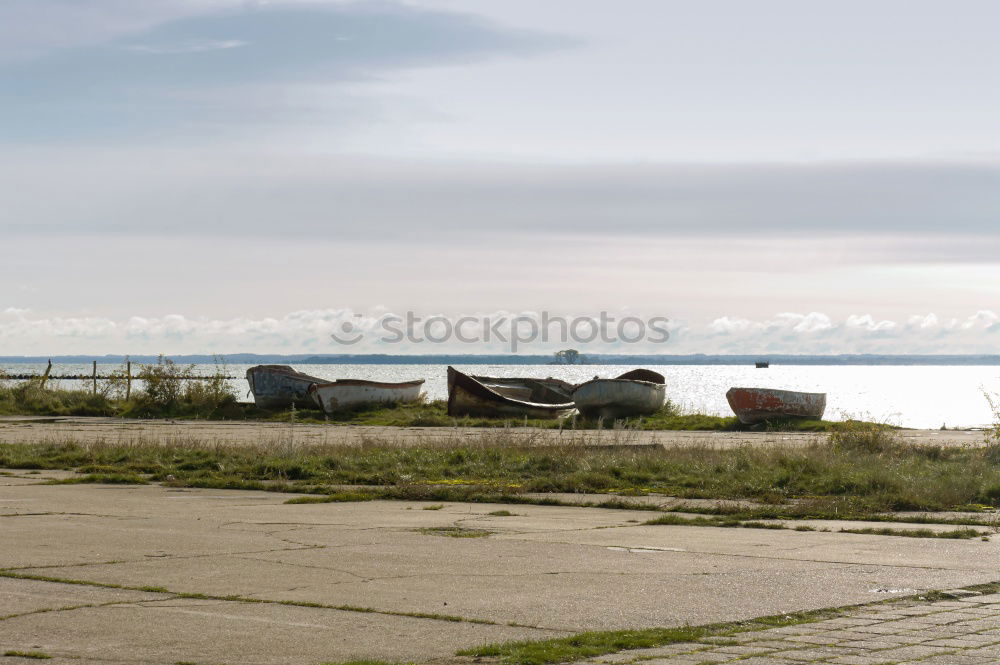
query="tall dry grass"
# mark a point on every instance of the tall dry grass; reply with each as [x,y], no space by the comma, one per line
[858,468]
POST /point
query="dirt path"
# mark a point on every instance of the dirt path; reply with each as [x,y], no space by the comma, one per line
[37,430]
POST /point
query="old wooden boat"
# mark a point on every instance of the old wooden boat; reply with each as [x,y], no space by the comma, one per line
[757,405]
[346,393]
[280,386]
[498,397]
[640,392]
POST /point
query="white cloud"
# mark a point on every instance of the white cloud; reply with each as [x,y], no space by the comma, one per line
[188,47]
[308,331]
[868,322]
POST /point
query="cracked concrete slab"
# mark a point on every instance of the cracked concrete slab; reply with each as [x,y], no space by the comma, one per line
[215,631]
[554,569]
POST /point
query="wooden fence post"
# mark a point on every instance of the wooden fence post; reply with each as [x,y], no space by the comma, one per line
[45,377]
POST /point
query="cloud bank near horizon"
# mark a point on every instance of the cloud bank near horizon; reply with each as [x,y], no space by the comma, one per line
[309,331]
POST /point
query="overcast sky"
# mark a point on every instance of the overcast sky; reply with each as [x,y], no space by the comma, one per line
[225,175]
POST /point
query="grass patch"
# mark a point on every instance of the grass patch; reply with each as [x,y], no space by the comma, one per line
[854,474]
[37,655]
[454,532]
[955,534]
[436,506]
[828,508]
[501,513]
[584,645]
[365,662]
[464,494]
[168,390]
[336,497]
[102,479]
[738,523]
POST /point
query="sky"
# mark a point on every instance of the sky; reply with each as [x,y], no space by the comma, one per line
[199,176]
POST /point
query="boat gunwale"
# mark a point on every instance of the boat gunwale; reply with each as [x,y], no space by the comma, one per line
[367,383]
[617,380]
[283,370]
[636,374]
[775,390]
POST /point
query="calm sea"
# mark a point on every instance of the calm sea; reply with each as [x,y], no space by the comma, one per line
[911,396]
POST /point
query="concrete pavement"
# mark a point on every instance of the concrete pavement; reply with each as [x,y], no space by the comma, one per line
[203,576]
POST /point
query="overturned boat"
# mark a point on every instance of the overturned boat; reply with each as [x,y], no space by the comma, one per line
[280,386]
[498,397]
[640,392]
[346,393]
[757,405]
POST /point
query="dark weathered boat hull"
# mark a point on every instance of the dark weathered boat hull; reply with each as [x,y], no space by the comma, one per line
[503,398]
[757,405]
[280,386]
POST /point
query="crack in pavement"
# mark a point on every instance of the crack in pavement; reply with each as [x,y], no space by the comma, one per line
[243,618]
[114,517]
[169,557]
[315,567]
[752,556]
[69,608]
[264,601]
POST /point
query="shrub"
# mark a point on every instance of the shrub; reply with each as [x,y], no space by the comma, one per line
[992,433]
[163,384]
[29,397]
[866,437]
[211,393]
[115,386]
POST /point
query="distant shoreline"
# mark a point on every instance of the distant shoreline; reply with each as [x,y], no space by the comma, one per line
[537,359]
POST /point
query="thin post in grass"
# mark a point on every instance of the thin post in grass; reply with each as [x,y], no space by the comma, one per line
[45,376]
[94,377]
[128,380]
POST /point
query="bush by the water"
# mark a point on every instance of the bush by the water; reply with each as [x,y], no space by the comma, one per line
[172,389]
[31,398]
[167,389]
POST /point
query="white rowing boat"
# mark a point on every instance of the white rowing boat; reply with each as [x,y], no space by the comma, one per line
[640,392]
[346,393]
